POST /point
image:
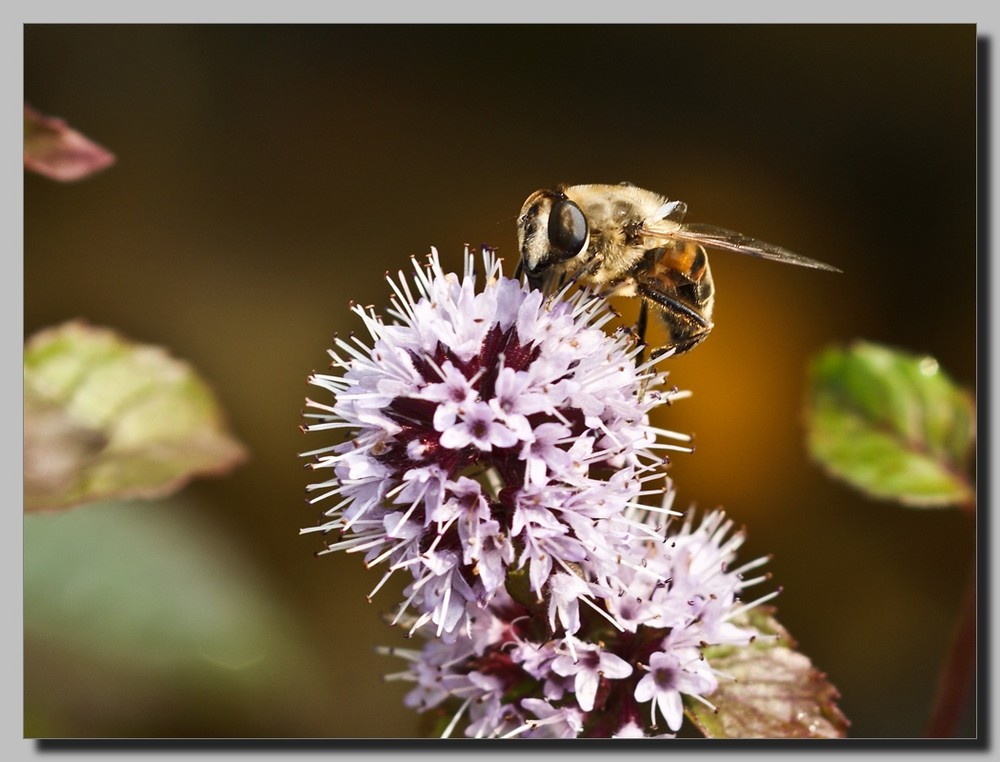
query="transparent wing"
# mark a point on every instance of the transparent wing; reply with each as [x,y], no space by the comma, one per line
[714,237]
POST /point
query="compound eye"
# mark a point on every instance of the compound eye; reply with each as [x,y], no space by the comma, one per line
[567,229]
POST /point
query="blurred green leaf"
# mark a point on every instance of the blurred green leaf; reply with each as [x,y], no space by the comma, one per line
[155,588]
[891,424]
[138,608]
[775,691]
[53,149]
[105,417]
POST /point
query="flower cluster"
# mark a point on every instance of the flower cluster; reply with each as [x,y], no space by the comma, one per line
[498,447]
[677,597]
[491,430]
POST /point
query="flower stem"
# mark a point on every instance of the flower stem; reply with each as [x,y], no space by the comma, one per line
[958,670]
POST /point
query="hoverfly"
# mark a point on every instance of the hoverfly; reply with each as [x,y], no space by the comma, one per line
[622,240]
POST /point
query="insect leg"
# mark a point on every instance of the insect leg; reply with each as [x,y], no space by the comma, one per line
[678,308]
[688,327]
[640,331]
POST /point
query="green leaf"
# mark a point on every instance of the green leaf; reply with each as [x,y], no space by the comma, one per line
[105,417]
[891,424]
[53,149]
[157,587]
[129,611]
[774,691]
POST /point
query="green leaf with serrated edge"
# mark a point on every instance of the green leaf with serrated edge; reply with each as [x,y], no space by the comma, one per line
[54,149]
[891,424]
[767,689]
[105,417]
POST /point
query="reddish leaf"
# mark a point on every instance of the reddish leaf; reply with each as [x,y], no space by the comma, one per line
[776,692]
[54,149]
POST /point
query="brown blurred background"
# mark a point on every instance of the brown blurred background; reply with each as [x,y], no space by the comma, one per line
[267,175]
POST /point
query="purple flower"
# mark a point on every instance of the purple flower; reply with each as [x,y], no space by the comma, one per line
[671,674]
[587,666]
[488,429]
[575,670]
